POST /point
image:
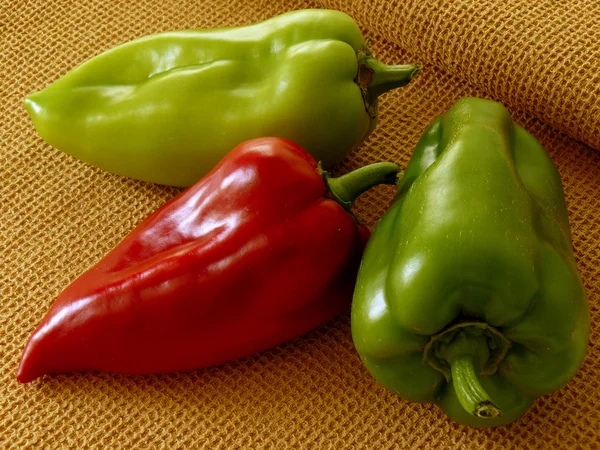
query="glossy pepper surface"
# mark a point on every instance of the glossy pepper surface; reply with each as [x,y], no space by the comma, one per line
[254,254]
[166,108]
[468,294]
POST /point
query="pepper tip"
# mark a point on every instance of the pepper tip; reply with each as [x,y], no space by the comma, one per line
[30,367]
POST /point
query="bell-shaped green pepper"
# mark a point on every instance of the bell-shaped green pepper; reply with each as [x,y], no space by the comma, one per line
[468,295]
[167,107]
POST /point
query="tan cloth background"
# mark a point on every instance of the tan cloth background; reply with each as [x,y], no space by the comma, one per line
[59,216]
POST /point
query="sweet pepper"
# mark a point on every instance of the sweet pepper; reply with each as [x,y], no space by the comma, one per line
[261,250]
[468,295]
[166,108]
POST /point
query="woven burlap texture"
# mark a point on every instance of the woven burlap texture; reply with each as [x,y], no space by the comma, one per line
[59,216]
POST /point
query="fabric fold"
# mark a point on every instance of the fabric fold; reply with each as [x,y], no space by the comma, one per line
[540,58]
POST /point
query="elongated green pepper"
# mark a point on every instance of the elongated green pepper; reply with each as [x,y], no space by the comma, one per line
[167,107]
[468,294]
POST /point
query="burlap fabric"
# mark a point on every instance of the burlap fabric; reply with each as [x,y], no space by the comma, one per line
[59,216]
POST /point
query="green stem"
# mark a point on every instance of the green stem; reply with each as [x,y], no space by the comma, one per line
[374,78]
[346,188]
[385,78]
[464,351]
[469,391]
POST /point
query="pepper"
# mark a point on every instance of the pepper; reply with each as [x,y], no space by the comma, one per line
[468,294]
[167,107]
[261,250]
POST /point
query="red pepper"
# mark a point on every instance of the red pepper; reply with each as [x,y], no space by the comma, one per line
[254,254]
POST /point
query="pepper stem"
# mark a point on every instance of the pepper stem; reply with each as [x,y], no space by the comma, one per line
[464,351]
[469,391]
[374,78]
[386,78]
[346,188]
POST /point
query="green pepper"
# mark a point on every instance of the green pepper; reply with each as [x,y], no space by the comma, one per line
[167,107]
[468,295]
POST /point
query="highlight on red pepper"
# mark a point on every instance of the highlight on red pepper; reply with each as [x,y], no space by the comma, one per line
[261,250]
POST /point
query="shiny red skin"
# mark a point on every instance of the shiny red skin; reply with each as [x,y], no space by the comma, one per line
[251,256]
